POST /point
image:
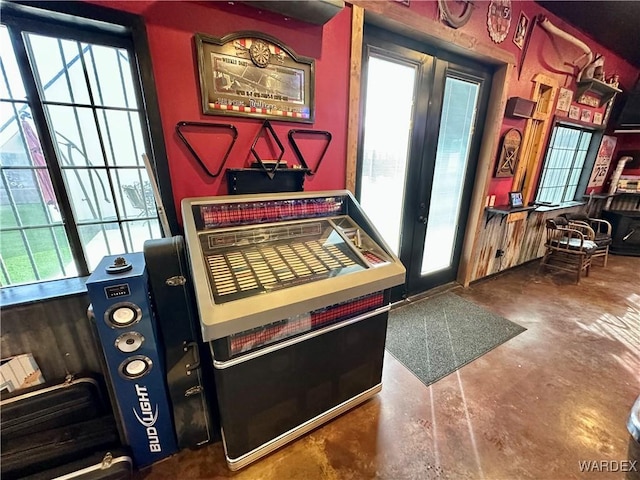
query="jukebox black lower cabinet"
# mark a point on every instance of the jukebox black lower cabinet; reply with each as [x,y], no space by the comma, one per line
[293,297]
[277,396]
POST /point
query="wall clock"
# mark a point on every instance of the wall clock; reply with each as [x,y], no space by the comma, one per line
[499,19]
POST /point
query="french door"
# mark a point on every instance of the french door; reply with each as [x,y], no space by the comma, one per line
[423,113]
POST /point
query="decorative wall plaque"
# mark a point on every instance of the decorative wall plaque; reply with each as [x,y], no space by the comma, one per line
[589,100]
[455,13]
[597,118]
[499,19]
[574,112]
[603,159]
[509,153]
[251,74]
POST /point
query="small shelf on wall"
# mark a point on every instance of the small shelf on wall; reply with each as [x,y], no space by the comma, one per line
[603,90]
[504,211]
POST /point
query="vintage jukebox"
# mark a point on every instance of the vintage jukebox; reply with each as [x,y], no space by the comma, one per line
[293,297]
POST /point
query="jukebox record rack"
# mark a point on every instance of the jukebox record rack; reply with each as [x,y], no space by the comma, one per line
[238,272]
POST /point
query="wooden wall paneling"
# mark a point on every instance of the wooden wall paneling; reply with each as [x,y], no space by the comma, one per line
[515,234]
[521,240]
[533,245]
[626,202]
[57,332]
[490,240]
[353,130]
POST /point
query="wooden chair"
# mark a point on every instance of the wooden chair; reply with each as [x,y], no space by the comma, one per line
[569,247]
[601,229]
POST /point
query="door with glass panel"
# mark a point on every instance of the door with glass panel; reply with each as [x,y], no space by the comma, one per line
[420,135]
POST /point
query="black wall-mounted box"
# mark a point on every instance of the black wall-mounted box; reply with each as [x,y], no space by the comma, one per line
[518,107]
[256,180]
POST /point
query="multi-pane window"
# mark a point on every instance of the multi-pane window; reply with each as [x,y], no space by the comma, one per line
[85,94]
[566,155]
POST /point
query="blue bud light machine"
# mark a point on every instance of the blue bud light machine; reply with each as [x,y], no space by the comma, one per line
[119,293]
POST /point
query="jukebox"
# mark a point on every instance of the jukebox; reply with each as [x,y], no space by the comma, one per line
[293,297]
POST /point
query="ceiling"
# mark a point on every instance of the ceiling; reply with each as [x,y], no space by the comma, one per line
[613,24]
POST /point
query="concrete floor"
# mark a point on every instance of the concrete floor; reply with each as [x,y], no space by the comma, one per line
[534,407]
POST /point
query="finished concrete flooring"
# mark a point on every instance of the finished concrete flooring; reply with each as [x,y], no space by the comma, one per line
[534,407]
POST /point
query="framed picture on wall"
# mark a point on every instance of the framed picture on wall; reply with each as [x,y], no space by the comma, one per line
[597,118]
[250,74]
[564,100]
[515,199]
[521,30]
[574,112]
[585,116]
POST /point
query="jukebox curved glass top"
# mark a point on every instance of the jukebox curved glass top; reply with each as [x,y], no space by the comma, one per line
[250,261]
[256,259]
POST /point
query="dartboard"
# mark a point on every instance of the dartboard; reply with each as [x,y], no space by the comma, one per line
[260,53]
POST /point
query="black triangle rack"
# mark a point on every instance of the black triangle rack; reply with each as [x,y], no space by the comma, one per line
[226,126]
[271,172]
[296,149]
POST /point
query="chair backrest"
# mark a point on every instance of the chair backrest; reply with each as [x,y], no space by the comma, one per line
[134,196]
[600,227]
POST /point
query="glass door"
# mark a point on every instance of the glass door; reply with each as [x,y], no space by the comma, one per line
[419,143]
[386,143]
[452,159]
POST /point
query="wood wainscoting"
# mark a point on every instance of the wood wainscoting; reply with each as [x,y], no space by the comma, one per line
[521,240]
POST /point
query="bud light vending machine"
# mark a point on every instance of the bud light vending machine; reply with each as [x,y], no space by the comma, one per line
[119,293]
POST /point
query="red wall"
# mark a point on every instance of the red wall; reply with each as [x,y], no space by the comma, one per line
[627,142]
[170,28]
